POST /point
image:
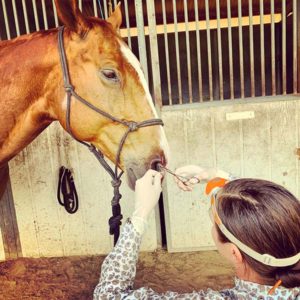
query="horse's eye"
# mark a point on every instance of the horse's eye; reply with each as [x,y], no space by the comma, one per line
[110,75]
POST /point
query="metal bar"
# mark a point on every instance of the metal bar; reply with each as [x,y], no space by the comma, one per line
[16,17]
[154,53]
[252,76]
[44,15]
[177,52]
[273,49]
[231,75]
[167,51]
[295,60]
[36,20]
[25,16]
[55,13]
[127,24]
[115,4]
[198,51]
[241,53]
[210,77]
[141,36]
[105,9]
[188,54]
[95,8]
[6,20]
[262,48]
[283,47]
[220,60]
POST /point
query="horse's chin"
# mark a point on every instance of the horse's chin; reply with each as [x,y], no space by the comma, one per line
[131,178]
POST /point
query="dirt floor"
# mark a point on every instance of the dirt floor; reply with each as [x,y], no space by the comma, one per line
[75,277]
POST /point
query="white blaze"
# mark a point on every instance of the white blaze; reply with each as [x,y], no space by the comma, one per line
[131,58]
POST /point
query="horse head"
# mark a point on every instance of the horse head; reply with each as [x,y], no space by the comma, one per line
[105,72]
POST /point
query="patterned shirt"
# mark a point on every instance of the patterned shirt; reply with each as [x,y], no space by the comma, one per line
[119,269]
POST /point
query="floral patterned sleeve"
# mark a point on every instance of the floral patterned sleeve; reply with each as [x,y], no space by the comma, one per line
[119,268]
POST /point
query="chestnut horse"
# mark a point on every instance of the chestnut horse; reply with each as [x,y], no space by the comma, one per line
[103,70]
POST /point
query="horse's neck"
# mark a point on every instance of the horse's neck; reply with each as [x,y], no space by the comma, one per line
[26,64]
[29,73]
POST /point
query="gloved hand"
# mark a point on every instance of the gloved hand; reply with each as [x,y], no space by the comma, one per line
[147,192]
[197,174]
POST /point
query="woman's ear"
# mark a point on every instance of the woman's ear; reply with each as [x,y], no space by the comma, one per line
[69,13]
[115,18]
[235,254]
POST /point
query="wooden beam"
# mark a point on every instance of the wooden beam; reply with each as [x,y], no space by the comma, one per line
[9,226]
[192,26]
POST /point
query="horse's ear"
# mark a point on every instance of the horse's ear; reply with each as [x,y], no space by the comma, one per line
[69,13]
[115,18]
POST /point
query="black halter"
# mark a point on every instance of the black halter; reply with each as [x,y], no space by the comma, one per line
[115,220]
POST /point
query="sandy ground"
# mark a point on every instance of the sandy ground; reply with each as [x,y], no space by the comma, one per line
[75,277]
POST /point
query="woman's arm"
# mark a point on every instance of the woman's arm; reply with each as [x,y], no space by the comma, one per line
[119,270]
[119,267]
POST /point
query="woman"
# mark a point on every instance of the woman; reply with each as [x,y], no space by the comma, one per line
[256,227]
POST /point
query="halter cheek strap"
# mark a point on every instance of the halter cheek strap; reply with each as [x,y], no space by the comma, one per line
[115,220]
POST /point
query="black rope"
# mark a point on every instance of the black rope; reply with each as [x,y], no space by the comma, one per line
[115,220]
[66,188]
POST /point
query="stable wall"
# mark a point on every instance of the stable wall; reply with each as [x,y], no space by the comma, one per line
[262,147]
[45,228]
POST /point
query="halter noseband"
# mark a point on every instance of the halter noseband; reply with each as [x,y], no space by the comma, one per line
[115,220]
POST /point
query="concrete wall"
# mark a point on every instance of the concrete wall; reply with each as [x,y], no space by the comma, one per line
[45,228]
[262,147]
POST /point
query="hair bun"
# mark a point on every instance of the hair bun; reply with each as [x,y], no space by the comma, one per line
[289,276]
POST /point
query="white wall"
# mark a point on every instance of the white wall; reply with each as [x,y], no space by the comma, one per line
[262,147]
[46,229]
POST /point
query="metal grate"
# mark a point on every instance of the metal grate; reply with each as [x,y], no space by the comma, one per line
[228,49]
[193,51]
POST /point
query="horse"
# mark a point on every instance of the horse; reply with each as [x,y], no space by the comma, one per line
[103,71]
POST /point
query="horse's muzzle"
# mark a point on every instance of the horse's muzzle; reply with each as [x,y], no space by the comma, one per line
[136,170]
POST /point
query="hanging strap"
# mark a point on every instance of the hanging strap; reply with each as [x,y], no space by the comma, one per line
[66,189]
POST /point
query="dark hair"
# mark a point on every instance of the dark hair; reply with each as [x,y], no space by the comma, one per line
[266,217]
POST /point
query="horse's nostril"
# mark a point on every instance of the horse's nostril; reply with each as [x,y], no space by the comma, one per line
[155,164]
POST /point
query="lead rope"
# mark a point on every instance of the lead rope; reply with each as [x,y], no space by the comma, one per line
[66,189]
[115,221]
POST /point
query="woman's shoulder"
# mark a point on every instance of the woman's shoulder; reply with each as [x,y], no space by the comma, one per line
[250,290]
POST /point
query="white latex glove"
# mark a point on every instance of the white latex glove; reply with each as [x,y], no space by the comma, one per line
[147,192]
[197,174]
